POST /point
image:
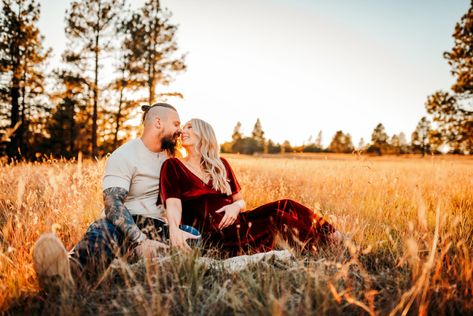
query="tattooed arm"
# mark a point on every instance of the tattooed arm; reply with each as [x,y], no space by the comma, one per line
[117,213]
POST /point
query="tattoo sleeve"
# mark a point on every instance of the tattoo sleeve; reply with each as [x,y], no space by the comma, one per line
[119,215]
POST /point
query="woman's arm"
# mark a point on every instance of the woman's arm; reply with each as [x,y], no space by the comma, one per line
[238,205]
[177,236]
[238,199]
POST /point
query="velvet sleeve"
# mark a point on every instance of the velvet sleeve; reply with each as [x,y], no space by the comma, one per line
[170,180]
[232,180]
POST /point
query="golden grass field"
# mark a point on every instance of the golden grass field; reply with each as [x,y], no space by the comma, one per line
[410,223]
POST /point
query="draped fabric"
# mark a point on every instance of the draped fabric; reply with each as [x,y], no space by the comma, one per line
[253,231]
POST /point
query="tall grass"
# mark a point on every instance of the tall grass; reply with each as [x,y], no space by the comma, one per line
[410,247]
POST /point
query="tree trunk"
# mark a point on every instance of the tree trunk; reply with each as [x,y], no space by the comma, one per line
[151,56]
[118,117]
[96,96]
[12,148]
[22,142]
[151,83]
[151,92]
[72,128]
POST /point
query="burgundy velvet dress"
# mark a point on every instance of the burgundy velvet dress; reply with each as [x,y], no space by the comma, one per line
[254,230]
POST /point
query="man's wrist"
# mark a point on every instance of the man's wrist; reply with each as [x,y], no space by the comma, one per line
[139,240]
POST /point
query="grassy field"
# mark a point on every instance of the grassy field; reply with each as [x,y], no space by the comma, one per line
[410,222]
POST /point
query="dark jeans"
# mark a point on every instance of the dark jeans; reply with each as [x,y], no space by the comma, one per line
[103,242]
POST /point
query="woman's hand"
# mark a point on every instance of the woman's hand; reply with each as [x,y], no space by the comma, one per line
[231,214]
[179,238]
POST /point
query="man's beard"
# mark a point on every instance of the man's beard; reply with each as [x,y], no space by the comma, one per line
[169,143]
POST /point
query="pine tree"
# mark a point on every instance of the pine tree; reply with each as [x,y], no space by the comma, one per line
[420,137]
[21,58]
[454,112]
[318,140]
[66,128]
[379,140]
[341,143]
[361,144]
[90,26]
[395,144]
[150,39]
[459,58]
[258,136]
[394,141]
[258,133]
[379,135]
[314,147]
[402,139]
[286,147]
[237,132]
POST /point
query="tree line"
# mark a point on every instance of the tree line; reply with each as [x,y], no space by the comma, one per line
[424,140]
[75,107]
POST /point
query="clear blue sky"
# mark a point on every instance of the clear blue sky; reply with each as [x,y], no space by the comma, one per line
[303,65]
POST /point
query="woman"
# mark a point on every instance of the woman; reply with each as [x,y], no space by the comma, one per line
[201,190]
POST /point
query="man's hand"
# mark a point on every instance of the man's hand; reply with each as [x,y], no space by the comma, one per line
[150,248]
[231,214]
[179,238]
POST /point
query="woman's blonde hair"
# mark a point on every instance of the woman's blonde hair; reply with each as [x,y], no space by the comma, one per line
[209,149]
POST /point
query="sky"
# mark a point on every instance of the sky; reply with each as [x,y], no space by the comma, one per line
[302,66]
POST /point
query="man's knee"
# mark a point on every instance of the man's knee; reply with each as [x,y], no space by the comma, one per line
[99,245]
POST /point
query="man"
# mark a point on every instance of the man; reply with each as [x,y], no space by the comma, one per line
[130,192]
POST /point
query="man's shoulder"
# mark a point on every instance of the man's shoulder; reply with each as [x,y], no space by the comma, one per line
[129,148]
[125,155]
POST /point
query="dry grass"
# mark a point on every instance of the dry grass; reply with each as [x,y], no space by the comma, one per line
[410,222]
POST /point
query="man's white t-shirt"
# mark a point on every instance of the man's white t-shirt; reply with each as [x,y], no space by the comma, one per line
[136,169]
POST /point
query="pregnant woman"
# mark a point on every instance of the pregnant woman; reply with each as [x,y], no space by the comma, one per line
[201,190]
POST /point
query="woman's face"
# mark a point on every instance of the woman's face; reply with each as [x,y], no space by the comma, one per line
[188,137]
